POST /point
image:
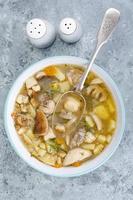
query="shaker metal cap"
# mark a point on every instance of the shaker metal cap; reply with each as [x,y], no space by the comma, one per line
[36,28]
[68,26]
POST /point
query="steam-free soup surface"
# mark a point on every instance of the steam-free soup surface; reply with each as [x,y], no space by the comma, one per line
[59,145]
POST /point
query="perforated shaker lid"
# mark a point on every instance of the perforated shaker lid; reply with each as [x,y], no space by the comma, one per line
[68,26]
[36,28]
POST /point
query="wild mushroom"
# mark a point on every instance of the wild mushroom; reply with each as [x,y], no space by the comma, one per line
[66,115]
[90,89]
[50,134]
[73,76]
[72,104]
[49,107]
[97,121]
[96,92]
[42,99]
[41,123]
[75,155]
[40,75]
[78,138]
[96,81]
[103,97]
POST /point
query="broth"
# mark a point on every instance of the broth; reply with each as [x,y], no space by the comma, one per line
[61,146]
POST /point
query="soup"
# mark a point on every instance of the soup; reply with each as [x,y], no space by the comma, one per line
[62,146]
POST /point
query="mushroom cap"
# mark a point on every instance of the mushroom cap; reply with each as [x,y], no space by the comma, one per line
[75,155]
[49,107]
[41,123]
[97,121]
[72,104]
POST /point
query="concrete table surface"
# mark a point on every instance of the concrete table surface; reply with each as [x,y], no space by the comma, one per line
[112,181]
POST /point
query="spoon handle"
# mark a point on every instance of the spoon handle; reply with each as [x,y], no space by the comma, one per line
[109,23]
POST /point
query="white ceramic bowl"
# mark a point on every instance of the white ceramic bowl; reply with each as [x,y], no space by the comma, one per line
[19,147]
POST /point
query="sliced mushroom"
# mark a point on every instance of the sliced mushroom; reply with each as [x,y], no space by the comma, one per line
[49,107]
[78,138]
[73,76]
[75,155]
[96,92]
[66,115]
[42,99]
[90,89]
[40,75]
[50,134]
[72,104]
[96,81]
[41,123]
[97,121]
[103,97]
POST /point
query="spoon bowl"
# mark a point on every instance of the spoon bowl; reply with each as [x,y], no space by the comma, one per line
[76,116]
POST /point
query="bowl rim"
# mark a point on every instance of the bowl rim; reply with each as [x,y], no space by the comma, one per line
[65,60]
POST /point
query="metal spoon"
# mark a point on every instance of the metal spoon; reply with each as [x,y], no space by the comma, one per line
[108,25]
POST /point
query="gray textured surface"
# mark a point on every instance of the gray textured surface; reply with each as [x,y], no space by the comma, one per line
[112,181]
